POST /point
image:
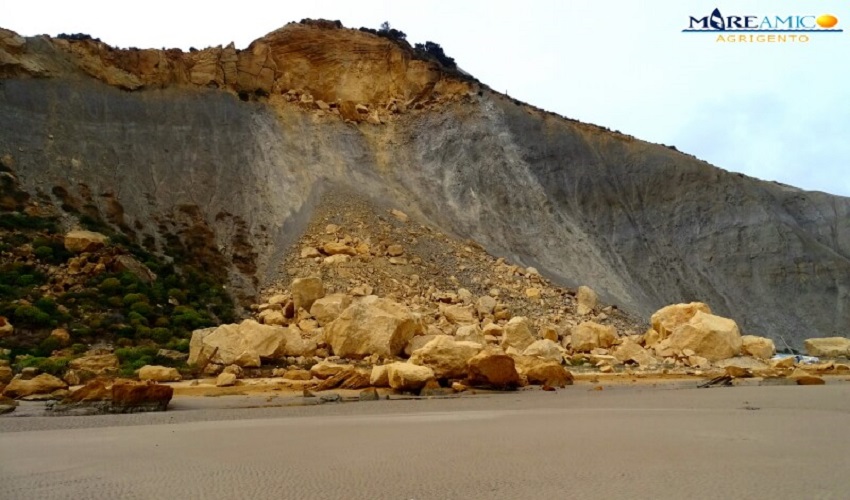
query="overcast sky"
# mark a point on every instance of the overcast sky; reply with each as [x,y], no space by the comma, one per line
[774,111]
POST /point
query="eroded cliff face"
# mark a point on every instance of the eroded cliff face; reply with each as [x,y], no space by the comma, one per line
[164,146]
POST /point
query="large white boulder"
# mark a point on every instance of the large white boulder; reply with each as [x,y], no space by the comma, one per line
[370,326]
[446,356]
[712,337]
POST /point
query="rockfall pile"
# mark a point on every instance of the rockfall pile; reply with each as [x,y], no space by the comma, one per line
[221,159]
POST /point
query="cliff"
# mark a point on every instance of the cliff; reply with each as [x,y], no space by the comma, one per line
[223,154]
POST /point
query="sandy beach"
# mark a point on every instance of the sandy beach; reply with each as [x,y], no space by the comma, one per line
[669,441]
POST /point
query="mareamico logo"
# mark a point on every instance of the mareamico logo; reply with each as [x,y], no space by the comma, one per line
[761,28]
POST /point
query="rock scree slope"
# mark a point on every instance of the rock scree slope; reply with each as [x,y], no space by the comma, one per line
[227,151]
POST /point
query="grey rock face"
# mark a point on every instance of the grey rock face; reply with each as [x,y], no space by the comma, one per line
[642,225]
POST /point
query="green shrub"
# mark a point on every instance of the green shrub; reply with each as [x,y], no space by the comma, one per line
[78,348]
[31,316]
[17,220]
[181,345]
[161,335]
[53,366]
[47,346]
[110,286]
[25,280]
[43,253]
[142,308]
[132,298]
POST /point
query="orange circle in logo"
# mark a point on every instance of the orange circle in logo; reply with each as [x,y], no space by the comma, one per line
[826,21]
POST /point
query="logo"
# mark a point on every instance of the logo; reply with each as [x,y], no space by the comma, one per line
[752,28]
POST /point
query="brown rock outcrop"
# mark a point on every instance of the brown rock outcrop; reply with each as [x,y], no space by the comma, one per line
[493,368]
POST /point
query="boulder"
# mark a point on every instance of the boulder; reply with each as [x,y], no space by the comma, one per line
[547,372]
[352,378]
[62,335]
[98,364]
[157,373]
[667,319]
[587,300]
[225,379]
[126,263]
[337,248]
[446,356]
[246,343]
[828,347]
[6,374]
[336,259]
[84,241]
[6,327]
[7,405]
[517,334]
[40,384]
[470,333]
[758,347]
[327,369]
[549,332]
[809,380]
[96,389]
[297,374]
[272,317]
[459,314]
[712,337]
[132,397]
[372,326]
[651,338]
[380,376]
[408,377]
[329,307]
[493,368]
[418,342]
[545,349]
[589,335]
[782,363]
[632,351]
[305,291]
[395,250]
[199,353]
[369,394]
[485,305]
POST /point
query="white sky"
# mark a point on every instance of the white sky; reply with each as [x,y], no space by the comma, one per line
[774,111]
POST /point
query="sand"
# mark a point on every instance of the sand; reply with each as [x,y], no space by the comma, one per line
[636,442]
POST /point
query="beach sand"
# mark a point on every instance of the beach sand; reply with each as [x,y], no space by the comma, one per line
[667,441]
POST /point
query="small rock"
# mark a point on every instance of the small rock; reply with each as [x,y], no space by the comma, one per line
[370,394]
[399,215]
[225,380]
[158,373]
[587,300]
[310,253]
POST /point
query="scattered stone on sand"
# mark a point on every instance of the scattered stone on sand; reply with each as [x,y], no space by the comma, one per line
[40,384]
[828,347]
[408,377]
[493,368]
[158,373]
